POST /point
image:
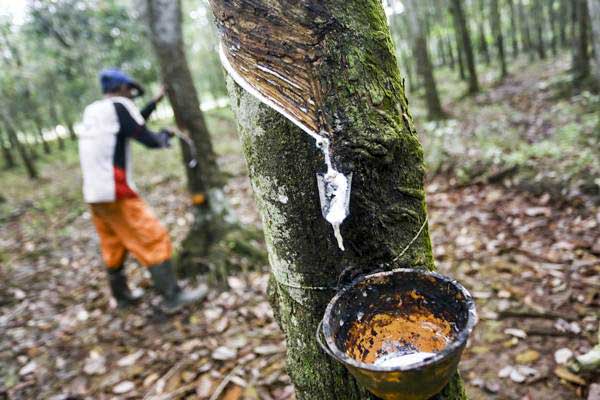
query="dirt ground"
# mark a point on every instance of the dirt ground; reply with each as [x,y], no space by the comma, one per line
[531,261]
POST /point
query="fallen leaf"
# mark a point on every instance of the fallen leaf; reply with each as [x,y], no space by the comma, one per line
[28,368]
[123,387]
[519,333]
[95,364]
[233,393]
[268,349]
[130,359]
[527,357]
[204,388]
[568,376]
[562,356]
[223,353]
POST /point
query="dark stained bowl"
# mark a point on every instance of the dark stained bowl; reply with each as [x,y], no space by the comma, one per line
[400,312]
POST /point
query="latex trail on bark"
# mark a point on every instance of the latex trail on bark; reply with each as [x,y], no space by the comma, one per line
[271,53]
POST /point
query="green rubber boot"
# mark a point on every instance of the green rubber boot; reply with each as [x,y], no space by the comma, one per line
[120,290]
[174,298]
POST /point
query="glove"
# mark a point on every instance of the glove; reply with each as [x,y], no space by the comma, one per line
[165,136]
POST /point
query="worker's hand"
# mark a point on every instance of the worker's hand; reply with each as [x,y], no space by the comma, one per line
[160,95]
[165,136]
[168,132]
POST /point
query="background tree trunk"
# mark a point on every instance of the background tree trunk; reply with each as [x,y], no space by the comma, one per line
[483,46]
[27,159]
[552,22]
[581,55]
[374,137]
[463,30]
[594,11]
[9,160]
[205,180]
[513,28]
[562,21]
[539,28]
[525,30]
[421,51]
[498,37]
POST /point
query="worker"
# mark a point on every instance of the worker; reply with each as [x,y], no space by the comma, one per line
[124,222]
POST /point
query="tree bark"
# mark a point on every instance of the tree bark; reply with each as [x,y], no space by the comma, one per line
[205,181]
[498,37]
[423,59]
[461,23]
[594,11]
[581,56]
[372,136]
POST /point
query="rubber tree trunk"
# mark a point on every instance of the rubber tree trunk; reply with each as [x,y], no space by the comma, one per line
[418,37]
[463,30]
[460,54]
[525,29]
[40,133]
[373,137]
[513,28]
[205,181]
[552,22]
[539,28]
[594,11]
[9,160]
[26,158]
[483,45]
[498,36]
[450,52]
[562,21]
[581,55]
[53,110]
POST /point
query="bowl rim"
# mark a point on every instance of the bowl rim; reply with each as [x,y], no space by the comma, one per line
[455,345]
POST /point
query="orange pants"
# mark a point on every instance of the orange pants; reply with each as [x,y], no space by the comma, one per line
[128,225]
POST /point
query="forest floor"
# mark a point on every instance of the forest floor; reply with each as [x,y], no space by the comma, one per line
[530,257]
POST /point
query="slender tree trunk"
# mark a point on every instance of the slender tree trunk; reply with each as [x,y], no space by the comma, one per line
[581,55]
[525,29]
[9,160]
[69,124]
[498,37]
[27,159]
[513,28]
[461,23]
[407,67]
[40,134]
[443,60]
[460,56]
[450,53]
[562,21]
[54,119]
[539,28]
[421,53]
[552,21]
[483,45]
[373,136]
[594,11]
[205,181]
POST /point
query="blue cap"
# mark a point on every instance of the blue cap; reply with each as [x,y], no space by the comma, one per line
[112,78]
